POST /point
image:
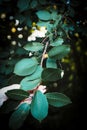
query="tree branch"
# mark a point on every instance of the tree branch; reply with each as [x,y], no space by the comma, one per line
[44,53]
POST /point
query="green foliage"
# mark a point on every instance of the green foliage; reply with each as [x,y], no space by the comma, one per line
[43,15]
[23,4]
[33,46]
[39,106]
[26,66]
[57,42]
[51,63]
[17,94]
[51,74]
[57,99]
[17,118]
[59,52]
[44,63]
[27,84]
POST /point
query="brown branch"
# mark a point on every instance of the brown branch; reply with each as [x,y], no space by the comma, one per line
[44,53]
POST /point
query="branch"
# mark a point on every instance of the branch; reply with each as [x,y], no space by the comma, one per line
[44,52]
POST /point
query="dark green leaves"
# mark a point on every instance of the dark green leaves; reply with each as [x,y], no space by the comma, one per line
[25,66]
[59,52]
[17,118]
[17,94]
[51,74]
[33,46]
[39,106]
[57,99]
[43,15]
[23,4]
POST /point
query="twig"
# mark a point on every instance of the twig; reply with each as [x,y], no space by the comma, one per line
[44,52]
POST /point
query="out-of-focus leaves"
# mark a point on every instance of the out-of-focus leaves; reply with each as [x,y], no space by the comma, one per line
[59,52]
[33,46]
[23,4]
[18,116]
[43,15]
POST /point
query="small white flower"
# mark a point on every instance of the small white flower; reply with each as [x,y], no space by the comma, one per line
[3,96]
[31,38]
[62,74]
[37,33]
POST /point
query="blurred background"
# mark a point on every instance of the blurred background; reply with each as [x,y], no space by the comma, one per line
[12,38]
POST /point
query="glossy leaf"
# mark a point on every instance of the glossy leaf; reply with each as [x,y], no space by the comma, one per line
[33,46]
[57,99]
[27,84]
[59,52]
[25,66]
[17,118]
[17,94]
[43,15]
[51,63]
[57,42]
[39,106]
[51,74]
[23,4]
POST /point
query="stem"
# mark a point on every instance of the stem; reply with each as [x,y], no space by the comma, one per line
[44,52]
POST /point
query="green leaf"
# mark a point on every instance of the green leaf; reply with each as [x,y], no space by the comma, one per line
[30,82]
[39,106]
[57,42]
[23,4]
[17,118]
[33,46]
[51,74]
[25,66]
[54,15]
[57,99]
[59,52]
[17,94]
[34,4]
[51,63]
[43,15]
[28,21]
[27,84]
